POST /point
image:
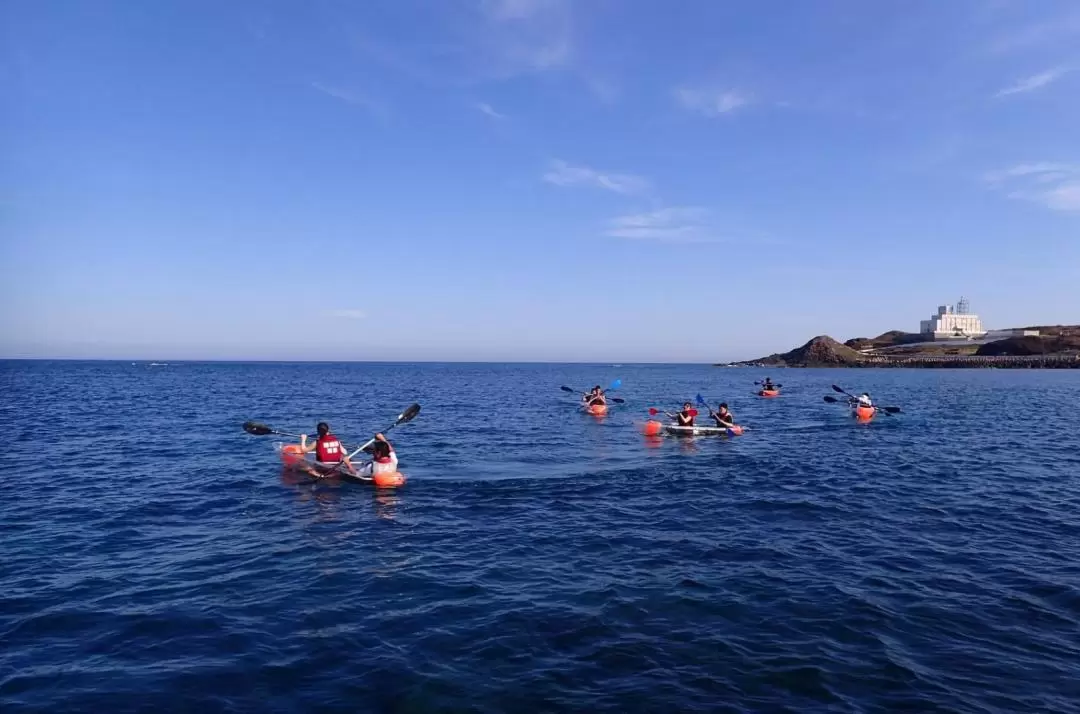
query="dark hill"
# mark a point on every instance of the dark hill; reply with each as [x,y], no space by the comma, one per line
[822,351]
[1022,346]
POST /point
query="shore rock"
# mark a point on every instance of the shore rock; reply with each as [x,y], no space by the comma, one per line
[822,351]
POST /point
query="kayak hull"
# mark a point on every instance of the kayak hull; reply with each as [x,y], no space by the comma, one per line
[655,428]
[293,458]
[769,393]
[596,409]
[863,413]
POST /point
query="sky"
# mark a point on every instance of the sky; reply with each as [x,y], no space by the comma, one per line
[535,180]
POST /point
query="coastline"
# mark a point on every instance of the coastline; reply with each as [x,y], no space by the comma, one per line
[1060,349]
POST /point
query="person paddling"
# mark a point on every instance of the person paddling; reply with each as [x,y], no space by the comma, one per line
[723,417]
[864,401]
[594,396]
[768,386]
[328,449]
[686,416]
[383,458]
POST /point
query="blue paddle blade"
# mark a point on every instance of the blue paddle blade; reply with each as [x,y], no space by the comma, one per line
[616,384]
[701,400]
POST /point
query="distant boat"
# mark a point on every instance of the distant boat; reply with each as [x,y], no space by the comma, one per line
[159,364]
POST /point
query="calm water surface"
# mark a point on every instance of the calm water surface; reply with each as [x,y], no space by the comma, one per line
[156,558]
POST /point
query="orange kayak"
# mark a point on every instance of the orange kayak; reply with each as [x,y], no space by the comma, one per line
[596,409]
[769,393]
[864,413]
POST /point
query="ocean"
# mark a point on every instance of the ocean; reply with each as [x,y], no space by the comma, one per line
[155,557]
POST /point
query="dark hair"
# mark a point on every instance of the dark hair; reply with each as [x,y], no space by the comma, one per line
[723,405]
[380,450]
[323,428]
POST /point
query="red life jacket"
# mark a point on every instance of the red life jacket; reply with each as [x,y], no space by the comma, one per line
[329,450]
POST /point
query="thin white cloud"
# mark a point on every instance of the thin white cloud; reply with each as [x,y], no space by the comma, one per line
[487,109]
[711,102]
[1035,81]
[563,174]
[1054,185]
[676,224]
[348,314]
[356,99]
[527,35]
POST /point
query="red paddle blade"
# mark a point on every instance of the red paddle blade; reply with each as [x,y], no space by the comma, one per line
[692,412]
[653,411]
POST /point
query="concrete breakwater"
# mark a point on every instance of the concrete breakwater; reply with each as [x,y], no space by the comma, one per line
[1058,361]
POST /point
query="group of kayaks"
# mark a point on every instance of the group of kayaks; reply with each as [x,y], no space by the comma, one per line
[595,402]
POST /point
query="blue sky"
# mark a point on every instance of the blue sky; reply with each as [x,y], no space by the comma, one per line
[530,179]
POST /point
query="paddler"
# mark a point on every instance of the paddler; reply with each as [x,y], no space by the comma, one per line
[686,416]
[768,386]
[864,401]
[594,396]
[328,449]
[383,458]
[723,417]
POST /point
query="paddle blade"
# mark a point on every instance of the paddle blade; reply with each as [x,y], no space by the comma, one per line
[566,389]
[831,400]
[838,389]
[653,411]
[617,400]
[615,385]
[408,415]
[701,401]
[693,412]
[890,410]
[257,429]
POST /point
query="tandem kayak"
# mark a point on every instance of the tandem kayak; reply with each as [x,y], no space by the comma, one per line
[769,393]
[292,458]
[595,409]
[654,428]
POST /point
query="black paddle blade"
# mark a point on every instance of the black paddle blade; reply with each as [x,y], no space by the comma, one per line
[831,400]
[257,429]
[617,400]
[409,414]
[566,389]
[890,410]
[838,389]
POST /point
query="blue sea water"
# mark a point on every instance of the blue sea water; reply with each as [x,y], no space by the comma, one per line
[154,557]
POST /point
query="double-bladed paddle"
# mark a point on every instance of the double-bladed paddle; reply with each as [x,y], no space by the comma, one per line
[256,428]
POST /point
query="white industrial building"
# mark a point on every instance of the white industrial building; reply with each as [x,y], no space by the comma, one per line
[952,323]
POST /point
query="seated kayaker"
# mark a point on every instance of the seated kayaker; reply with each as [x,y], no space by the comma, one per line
[328,449]
[768,386]
[686,416]
[594,396]
[723,417]
[864,401]
[383,458]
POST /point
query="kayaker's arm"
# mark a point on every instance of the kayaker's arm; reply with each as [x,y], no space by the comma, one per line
[304,447]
